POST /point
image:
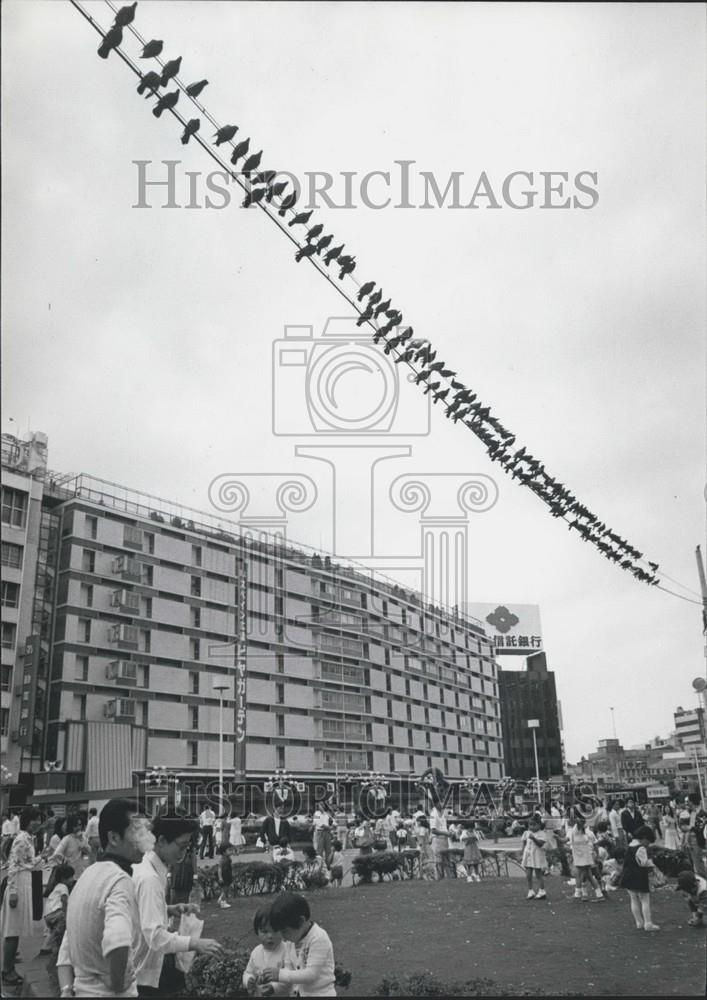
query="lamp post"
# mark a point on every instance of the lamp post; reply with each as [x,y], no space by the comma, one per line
[534,724]
[220,686]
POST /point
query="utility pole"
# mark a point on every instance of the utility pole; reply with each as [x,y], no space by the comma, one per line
[703,588]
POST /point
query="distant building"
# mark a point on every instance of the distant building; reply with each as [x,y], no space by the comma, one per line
[524,695]
[689,726]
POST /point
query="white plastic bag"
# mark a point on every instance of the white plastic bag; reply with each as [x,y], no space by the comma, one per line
[189,926]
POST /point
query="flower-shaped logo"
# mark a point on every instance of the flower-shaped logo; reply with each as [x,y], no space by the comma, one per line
[502,619]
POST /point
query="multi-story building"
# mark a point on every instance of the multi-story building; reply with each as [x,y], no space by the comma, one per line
[689,727]
[344,671]
[526,695]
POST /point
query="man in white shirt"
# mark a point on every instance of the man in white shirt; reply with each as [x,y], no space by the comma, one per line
[7,836]
[173,836]
[321,835]
[102,920]
[440,838]
[206,822]
[94,843]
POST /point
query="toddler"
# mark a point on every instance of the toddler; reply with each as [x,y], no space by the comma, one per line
[313,974]
[534,860]
[272,953]
[612,869]
[694,890]
[225,875]
[472,854]
[582,842]
[336,866]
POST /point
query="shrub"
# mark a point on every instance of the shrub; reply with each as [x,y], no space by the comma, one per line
[218,976]
[671,863]
[342,977]
[365,866]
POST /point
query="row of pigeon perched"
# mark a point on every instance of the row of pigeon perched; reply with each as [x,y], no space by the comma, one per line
[460,403]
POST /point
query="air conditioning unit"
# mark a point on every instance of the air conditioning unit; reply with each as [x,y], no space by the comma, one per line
[124,636]
[120,709]
[126,600]
[123,671]
[127,567]
[132,537]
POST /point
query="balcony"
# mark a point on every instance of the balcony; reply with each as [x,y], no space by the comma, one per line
[132,538]
[122,671]
[127,568]
[125,600]
[123,636]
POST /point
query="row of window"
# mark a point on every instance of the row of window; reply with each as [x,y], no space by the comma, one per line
[14,507]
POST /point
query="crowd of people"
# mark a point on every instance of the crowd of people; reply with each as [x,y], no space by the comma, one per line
[118,885]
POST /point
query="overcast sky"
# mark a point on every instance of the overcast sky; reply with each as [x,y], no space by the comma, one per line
[140,340]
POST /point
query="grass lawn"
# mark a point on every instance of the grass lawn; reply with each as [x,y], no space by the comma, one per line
[489,930]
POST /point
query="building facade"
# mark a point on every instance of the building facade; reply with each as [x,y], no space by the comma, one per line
[526,695]
[345,671]
[689,727]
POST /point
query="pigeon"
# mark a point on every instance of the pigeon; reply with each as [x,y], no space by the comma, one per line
[306,251]
[240,149]
[152,49]
[422,376]
[345,260]
[192,128]
[382,307]
[266,177]
[405,356]
[333,254]
[314,232]
[252,162]
[170,69]
[254,196]
[364,290]
[287,203]
[225,134]
[406,335]
[300,219]
[365,316]
[276,190]
[194,89]
[324,242]
[165,102]
[432,387]
[376,297]
[395,317]
[149,81]
[347,269]
[111,40]
[125,15]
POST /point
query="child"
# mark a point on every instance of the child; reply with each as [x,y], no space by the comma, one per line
[694,889]
[313,974]
[401,837]
[635,878]
[612,869]
[55,916]
[336,867]
[283,852]
[534,860]
[271,953]
[582,842]
[313,873]
[472,854]
[225,874]
[427,860]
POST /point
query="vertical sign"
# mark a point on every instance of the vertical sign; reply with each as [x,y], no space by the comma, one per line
[241,672]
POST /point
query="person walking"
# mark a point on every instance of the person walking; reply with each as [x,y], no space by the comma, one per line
[207,820]
[22,904]
[235,833]
[92,838]
[671,836]
[102,918]
[635,878]
[72,848]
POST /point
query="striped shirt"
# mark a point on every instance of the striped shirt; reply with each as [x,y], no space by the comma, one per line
[102,915]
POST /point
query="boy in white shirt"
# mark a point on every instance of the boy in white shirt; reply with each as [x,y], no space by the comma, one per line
[313,974]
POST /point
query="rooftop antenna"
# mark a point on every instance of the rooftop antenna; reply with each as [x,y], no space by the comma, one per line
[613,722]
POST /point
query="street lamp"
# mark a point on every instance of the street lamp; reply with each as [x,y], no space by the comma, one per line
[220,686]
[534,724]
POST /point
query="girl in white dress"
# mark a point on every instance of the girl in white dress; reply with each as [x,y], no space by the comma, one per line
[534,859]
[671,835]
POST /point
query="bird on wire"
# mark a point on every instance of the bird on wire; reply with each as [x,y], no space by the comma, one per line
[254,196]
[111,40]
[193,126]
[382,307]
[152,49]
[314,232]
[276,190]
[165,102]
[170,69]
[252,163]
[266,177]
[194,89]
[324,242]
[365,290]
[225,134]
[333,254]
[347,268]
[300,219]
[287,203]
[376,297]
[306,251]
[150,82]
[125,16]
[240,149]
[365,315]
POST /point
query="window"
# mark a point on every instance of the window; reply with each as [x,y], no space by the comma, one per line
[444,741]
[5,712]
[84,630]
[196,555]
[132,537]
[280,693]
[86,595]
[280,725]
[194,716]
[145,637]
[148,575]
[88,561]
[80,707]
[9,635]
[6,677]
[391,762]
[150,539]
[194,682]
[143,712]
[280,751]
[408,709]
[391,739]
[146,603]
[12,555]
[92,526]
[280,663]
[388,683]
[196,617]
[409,737]
[193,753]
[81,669]
[196,586]
[194,649]
[14,507]
[10,594]
[407,687]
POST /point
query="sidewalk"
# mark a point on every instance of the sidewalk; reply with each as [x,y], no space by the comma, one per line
[32,968]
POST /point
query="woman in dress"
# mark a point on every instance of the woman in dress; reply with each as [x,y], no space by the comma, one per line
[235,833]
[671,836]
[21,913]
[73,848]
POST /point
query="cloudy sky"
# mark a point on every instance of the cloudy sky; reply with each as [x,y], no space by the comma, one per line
[141,339]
